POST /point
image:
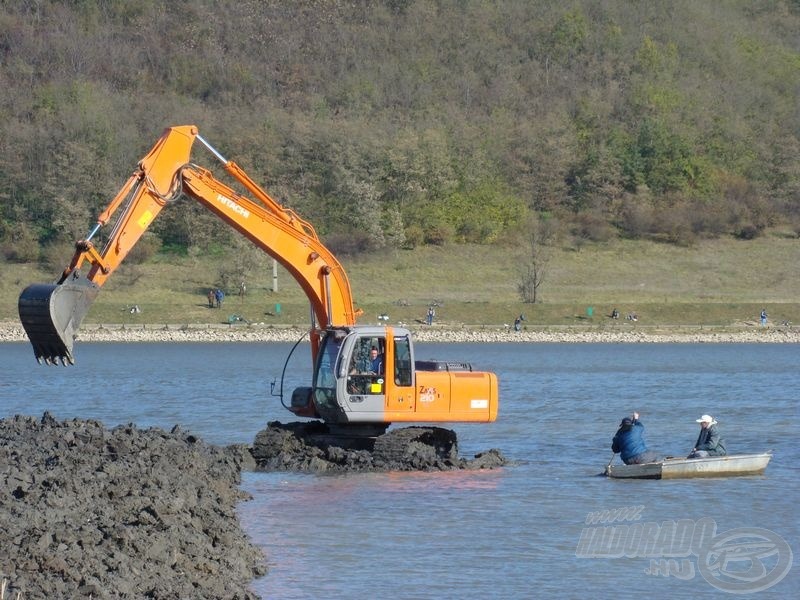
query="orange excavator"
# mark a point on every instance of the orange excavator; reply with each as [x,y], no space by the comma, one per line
[362,375]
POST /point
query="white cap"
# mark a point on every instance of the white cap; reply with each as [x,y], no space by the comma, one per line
[706,419]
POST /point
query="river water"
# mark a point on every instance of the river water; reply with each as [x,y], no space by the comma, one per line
[518,532]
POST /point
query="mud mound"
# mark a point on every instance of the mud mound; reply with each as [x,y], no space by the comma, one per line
[313,448]
[120,513]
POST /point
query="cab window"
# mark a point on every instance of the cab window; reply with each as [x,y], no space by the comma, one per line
[402,361]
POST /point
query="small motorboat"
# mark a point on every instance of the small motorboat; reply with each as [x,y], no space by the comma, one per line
[684,468]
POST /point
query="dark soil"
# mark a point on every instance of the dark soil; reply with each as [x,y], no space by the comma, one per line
[120,513]
[87,511]
[311,447]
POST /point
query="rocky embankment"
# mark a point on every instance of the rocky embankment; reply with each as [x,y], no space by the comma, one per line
[749,333]
[87,511]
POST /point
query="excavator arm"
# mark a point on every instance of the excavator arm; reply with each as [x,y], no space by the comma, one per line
[342,393]
[52,313]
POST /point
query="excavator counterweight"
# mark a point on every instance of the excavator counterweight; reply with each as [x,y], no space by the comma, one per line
[52,313]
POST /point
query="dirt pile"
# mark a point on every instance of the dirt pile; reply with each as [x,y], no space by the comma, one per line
[312,447]
[120,513]
[88,511]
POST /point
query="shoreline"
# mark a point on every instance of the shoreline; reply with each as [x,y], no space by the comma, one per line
[216,333]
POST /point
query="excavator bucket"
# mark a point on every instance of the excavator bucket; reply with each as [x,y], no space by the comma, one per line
[52,313]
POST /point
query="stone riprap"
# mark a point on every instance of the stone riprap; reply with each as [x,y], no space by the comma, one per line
[623,333]
[87,511]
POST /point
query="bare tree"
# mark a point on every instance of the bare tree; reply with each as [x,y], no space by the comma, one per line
[538,252]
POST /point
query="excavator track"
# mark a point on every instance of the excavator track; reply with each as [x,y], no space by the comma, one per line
[310,447]
[416,446]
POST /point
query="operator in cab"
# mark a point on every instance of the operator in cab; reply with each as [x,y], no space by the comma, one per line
[375,362]
[366,374]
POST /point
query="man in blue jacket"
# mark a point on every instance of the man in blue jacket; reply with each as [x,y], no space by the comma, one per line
[709,442]
[629,442]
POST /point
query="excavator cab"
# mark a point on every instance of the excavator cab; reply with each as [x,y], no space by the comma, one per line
[52,313]
[350,379]
[367,374]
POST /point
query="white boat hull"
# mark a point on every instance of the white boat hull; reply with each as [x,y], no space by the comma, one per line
[685,468]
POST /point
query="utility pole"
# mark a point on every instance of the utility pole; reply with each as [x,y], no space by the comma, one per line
[274,275]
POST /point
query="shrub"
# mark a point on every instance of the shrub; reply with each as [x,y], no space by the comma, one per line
[795,227]
[349,244]
[148,246]
[707,218]
[438,235]
[747,231]
[591,227]
[20,245]
[56,256]
[414,236]
[674,225]
[635,219]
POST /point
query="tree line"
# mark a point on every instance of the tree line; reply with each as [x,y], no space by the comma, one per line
[394,123]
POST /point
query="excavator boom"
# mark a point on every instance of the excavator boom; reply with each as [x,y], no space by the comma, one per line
[52,313]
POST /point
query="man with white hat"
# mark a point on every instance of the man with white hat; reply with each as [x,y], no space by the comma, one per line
[709,442]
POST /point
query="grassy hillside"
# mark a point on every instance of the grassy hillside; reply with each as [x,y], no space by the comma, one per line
[715,283]
[399,122]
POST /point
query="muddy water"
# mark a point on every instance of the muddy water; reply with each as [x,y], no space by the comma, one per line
[517,532]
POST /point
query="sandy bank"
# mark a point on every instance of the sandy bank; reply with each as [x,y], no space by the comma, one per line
[13,332]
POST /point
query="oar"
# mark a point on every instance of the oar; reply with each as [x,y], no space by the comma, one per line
[608,466]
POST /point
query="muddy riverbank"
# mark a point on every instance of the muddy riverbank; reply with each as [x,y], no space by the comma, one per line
[122,512]
[89,511]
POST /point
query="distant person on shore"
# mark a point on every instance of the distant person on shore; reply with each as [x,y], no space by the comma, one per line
[629,442]
[219,297]
[709,442]
[615,314]
[763,317]
[210,298]
[429,317]
[518,322]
